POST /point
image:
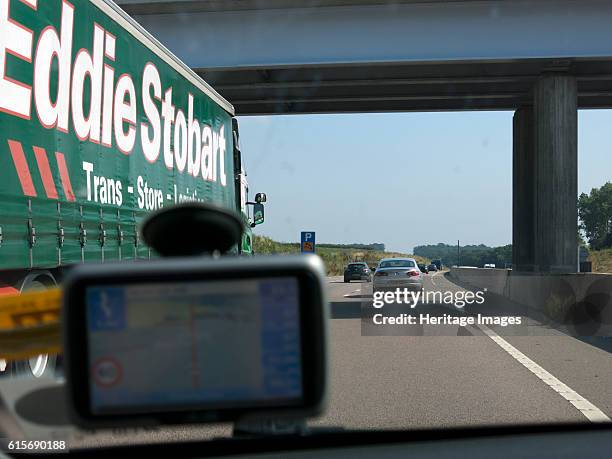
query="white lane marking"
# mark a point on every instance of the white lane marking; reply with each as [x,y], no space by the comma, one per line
[434,275]
[352,293]
[590,411]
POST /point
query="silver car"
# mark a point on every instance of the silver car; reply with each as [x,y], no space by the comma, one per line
[393,273]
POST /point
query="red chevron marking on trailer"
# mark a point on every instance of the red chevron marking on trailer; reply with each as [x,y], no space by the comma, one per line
[21,165]
[45,172]
[63,170]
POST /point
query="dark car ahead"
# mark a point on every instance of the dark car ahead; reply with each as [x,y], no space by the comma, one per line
[433,267]
[424,269]
[357,271]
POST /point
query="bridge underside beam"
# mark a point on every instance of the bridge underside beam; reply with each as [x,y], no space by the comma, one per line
[319,56]
[431,86]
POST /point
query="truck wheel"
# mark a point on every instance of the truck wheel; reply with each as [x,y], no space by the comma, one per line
[6,368]
[38,365]
[43,364]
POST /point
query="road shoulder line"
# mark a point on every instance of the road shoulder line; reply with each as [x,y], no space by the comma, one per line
[590,411]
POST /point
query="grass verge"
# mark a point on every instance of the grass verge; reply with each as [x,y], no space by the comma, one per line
[335,258]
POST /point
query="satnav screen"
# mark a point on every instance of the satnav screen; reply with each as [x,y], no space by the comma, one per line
[167,346]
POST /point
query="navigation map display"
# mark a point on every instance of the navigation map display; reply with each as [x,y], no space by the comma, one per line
[181,345]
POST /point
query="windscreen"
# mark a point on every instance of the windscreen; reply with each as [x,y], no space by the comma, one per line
[397,264]
[218,344]
[458,134]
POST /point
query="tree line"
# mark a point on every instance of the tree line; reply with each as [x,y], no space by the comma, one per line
[595,212]
[468,255]
[374,246]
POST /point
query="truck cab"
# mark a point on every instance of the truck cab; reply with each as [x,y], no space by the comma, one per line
[250,218]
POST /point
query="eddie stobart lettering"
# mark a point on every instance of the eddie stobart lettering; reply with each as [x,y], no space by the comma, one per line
[100,124]
[79,91]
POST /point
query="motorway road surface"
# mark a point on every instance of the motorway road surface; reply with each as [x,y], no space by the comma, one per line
[455,376]
[448,376]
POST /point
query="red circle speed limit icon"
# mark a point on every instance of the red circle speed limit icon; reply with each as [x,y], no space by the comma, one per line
[106,372]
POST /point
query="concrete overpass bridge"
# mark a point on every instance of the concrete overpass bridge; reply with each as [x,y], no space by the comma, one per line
[542,58]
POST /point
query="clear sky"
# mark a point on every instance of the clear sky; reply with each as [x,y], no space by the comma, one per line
[403,179]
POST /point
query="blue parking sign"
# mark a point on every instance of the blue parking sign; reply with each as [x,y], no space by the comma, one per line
[307,243]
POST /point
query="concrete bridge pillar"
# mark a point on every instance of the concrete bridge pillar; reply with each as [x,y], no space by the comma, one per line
[545,178]
[523,197]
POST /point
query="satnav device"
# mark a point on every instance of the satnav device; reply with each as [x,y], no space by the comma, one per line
[195,340]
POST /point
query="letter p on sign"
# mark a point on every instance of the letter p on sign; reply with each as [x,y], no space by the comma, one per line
[307,242]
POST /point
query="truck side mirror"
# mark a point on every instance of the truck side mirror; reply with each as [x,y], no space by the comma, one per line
[260,197]
[258,213]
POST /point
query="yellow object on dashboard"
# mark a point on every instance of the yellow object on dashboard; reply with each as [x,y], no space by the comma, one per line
[30,324]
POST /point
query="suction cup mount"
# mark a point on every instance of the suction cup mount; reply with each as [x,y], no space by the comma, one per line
[191,229]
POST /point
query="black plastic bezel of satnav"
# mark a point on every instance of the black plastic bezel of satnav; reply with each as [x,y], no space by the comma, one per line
[307,269]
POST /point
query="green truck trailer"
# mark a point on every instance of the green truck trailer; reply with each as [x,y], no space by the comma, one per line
[99,125]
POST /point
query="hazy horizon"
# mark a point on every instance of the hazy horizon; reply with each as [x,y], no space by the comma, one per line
[401,179]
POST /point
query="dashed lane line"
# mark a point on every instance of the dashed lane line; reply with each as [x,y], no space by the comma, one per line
[352,293]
